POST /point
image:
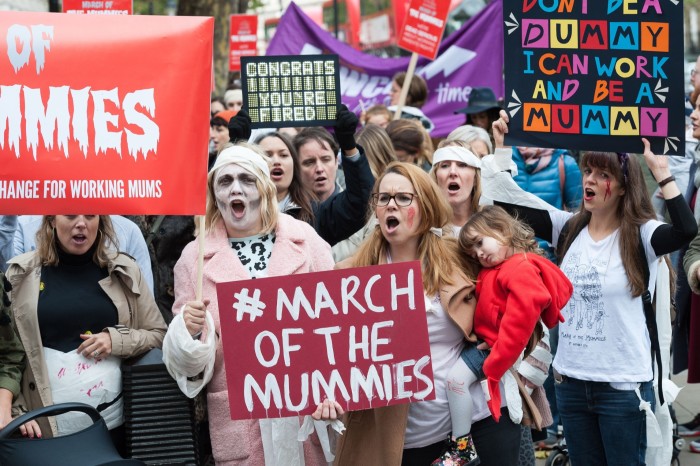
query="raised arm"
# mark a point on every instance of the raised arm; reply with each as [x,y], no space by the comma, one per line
[682,229]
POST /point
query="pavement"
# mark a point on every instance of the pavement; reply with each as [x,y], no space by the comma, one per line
[687,405]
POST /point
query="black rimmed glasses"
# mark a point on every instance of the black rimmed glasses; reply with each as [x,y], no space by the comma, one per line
[401,199]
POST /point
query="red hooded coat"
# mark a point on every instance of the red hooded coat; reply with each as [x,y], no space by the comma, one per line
[511,298]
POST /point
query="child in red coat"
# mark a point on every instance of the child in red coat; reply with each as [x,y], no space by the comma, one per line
[515,288]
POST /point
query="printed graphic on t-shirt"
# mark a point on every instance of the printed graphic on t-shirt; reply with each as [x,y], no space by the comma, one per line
[586,310]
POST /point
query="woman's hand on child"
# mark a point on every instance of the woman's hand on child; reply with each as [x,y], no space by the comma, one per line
[483,346]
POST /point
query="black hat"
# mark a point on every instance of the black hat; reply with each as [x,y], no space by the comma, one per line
[480,100]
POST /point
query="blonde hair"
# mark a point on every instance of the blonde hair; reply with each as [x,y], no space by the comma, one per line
[47,242]
[471,133]
[376,110]
[269,210]
[438,254]
[377,146]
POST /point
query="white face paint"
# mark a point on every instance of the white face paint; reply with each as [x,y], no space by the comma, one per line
[238,200]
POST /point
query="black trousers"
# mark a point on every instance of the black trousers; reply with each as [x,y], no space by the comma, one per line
[497,444]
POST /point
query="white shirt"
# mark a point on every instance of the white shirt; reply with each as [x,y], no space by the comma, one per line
[429,421]
[604,337]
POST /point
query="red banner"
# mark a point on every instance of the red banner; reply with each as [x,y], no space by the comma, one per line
[358,336]
[98,7]
[243,39]
[423,27]
[93,120]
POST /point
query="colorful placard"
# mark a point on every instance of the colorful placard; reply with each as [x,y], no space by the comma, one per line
[425,22]
[291,90]
[357,336]
[243,39]
[98,7]
[91,118]
[595,75]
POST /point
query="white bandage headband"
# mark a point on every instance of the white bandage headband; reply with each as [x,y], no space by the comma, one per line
[246,158]
[458,154]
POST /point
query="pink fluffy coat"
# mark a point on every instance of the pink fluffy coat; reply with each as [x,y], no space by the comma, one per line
[297,249]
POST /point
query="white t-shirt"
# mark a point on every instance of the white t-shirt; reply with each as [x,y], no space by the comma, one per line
[429,421]
[604,337]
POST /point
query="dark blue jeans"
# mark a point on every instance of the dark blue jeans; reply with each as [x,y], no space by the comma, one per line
[603,425]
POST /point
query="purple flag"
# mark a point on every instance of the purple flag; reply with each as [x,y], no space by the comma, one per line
[470,57]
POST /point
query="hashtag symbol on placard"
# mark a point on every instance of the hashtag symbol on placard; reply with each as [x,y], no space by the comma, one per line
[246,305]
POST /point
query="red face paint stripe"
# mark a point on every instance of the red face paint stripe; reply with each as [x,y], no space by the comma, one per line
[607,191]
[411,216]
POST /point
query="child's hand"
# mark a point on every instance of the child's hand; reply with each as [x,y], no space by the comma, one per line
[483,346]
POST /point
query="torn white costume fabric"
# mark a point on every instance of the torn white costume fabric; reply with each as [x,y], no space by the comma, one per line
[659,424]
[282,438]
[186,358]
[497,183]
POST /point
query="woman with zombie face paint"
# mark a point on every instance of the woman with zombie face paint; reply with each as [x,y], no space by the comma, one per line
[603,367]
[414,224]
[246,237]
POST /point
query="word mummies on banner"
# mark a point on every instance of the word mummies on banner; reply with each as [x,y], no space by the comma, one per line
[611,69]
[66,109]
[283,91]
[104,138]
[358,336]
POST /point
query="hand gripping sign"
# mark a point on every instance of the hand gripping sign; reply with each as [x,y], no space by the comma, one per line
[357,336]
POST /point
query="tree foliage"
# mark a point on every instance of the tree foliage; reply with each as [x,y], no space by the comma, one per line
[219,9]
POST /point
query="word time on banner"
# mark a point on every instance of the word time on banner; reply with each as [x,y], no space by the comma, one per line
[292,90]
[358,336]
[595,75]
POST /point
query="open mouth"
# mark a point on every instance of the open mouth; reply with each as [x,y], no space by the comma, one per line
[277,172]
[238,208]
[453,187]
[392,224]
[79,238]
[588,194]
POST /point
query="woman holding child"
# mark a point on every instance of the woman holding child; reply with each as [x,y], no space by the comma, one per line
[604,364]
[414,224]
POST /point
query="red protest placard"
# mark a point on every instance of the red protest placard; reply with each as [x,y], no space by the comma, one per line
[243,39]
[93,120]
[423,27]
[105,7]
[358,336]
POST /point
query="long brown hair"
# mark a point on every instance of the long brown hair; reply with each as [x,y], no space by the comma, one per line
[47,242]
[297,193]
[634,210]
[438,254]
